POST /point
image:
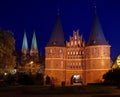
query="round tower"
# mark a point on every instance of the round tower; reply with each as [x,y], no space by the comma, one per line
[97,54]
[55,54]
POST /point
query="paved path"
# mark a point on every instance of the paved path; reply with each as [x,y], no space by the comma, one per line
[19,94]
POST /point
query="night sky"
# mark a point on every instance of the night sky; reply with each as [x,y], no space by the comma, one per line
[39,16]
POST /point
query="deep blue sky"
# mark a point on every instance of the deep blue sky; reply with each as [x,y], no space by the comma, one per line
[40,15]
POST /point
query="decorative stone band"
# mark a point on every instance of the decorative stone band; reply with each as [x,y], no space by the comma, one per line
[97,46]
[96,69]
[53,69]
[54,58]
[97,58]
[74,70]
[74,59]
[77,70]
[63,59]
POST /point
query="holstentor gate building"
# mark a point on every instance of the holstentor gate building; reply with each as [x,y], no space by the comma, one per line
[74,61]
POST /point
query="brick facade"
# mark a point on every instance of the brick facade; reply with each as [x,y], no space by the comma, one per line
[77,63]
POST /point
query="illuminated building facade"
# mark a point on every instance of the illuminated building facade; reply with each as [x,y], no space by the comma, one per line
[116,64]
[74,61]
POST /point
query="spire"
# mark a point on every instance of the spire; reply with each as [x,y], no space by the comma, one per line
[34,42]
[96,35]
[25,44]
[57,37]
[34,48]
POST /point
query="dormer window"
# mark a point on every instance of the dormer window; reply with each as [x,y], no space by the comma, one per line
[54,43]
[94,41]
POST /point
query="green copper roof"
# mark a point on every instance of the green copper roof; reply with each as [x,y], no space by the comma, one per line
[25,42]
[34,42]
[97,35]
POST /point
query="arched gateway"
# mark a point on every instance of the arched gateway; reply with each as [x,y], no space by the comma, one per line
[76,79]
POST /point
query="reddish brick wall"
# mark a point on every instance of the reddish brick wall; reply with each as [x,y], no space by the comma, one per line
[90,62]
[97,62]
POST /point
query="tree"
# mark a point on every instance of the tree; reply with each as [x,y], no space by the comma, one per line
[25,79]
[7,60]
[39,78]
[112,76]
[18,55]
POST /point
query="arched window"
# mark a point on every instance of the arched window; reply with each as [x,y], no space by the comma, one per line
[51,51]
[68,53]
[76,52]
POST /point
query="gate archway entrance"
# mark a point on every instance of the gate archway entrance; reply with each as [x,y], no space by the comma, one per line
[76,79]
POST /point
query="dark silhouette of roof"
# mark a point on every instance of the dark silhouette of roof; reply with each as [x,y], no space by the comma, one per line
[96,35]
[57,37]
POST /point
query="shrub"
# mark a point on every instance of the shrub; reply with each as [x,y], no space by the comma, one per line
[112,77]
[25,79]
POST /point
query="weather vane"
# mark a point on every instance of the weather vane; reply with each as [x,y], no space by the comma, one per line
[94,4]
[58,11]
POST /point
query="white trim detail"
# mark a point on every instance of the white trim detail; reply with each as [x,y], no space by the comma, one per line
[78,70]
[95,69]
[74,70]
[74,59]
[97,58]
[54,58]
[54,69]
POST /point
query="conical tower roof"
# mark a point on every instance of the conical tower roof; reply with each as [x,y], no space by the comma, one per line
[25,42]
[96,35]
[57,37]
[34,42]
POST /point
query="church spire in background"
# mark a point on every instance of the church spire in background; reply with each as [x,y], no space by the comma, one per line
[25,44]
[34,48]
[34,41]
